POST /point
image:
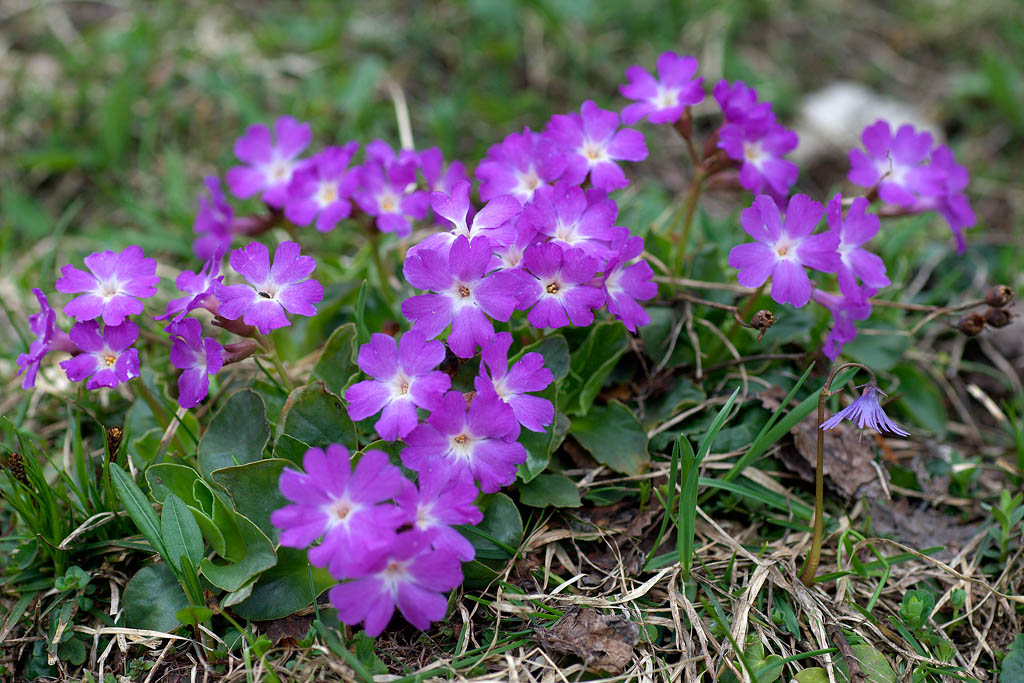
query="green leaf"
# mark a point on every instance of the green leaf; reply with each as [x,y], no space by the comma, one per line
[591,365]
[284,588]
[495,539]
[254,489]
[612,434]
[1013,663]
[152,599]
[550,489]
[237,435]
[880,352]
[554,349]
[138,507]
[259,555]
[874,664]
[540,445]
[813,675]
[313,417]
[921,399]
[216,519]
[336,364]
[171,478]
[181,533]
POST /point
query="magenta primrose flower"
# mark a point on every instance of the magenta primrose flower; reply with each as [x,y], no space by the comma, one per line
[271,160]
[198,356]
[346,508]
[855,261]
[410,575]
[404,379]
[592,143]
[272,289]
[106,359]
[212,223]
[781,252]
[199,288]
[441,500]
[625,284]
[49,338]
[382,193]
[441,177]
[474,439]
[845,313]
[556,286]
[739,102]
[511,384]
[573,218]
[113,286]
[466,296]
[662,99]
[321,188]
[867,411]
[895,163]
[494,221]
[758,144]
[519,165]
[952,203]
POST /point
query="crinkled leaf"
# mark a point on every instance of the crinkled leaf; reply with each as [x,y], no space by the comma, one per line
[237,435]
[591,364]
[254,489]
[284,588]
[152,599]
[550,489]
[612,434]
[336,364]
[554,349]
[259,555]
[313,417]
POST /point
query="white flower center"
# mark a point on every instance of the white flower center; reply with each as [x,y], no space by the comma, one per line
[387,201]
[528,183]
[327,193]
[339,511]
[462,445]
[753,152]
[666,97]
[785,249]
[594,151]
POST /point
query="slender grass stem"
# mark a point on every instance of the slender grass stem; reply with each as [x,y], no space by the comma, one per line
[143,391]
[268,344]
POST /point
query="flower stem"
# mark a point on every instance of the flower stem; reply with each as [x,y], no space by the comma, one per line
[143,391]
[268,344]
[385,285]
[689,210]
[814,556]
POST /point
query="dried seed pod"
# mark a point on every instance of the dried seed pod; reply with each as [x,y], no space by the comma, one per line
[998,317]
[761,321]
[999,296]
[17,467]
[114,435]
[972,324]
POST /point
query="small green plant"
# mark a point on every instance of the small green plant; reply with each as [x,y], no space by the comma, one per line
[1007,513]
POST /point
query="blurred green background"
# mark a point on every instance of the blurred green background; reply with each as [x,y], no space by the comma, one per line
[113,111]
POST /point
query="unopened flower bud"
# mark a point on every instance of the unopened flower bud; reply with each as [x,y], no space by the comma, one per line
[684,126]
[239,350]
[999,296]
[998,317]
[237,326]
[761,321]
[972,324]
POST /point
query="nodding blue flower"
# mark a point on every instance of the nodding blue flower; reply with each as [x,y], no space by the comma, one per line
[867,412]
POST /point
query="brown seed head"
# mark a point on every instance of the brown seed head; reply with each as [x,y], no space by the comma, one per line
[999,296]
[114,435]
[761,321]
[998,317]
[972,324]
[17,467]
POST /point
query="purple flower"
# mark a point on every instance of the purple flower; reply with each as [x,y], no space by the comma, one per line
[867,411]
[466,296]
[510,384]
[519,165]
[409,575]
[403,379]
[494,221]
[212,222]
[113,286]
[845,312]
[198,286]
[781,252]
[380,152]
[895,164]
[625,285]
[662,100]
[758,143]
[346,507]
[270,164]
[558,288]
[510,256]
[592,144]
[382,193]
[49,337]
[573,218]
[321,189]
[439,177]
[474,439]
[952,203]
[739,102]
[105,359]
[273,289]
[198,356]
[853,232]
[443,499]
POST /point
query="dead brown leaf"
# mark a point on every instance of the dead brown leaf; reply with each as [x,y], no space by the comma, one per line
[604,642]
[921,527]
[292,628]
[848,458]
